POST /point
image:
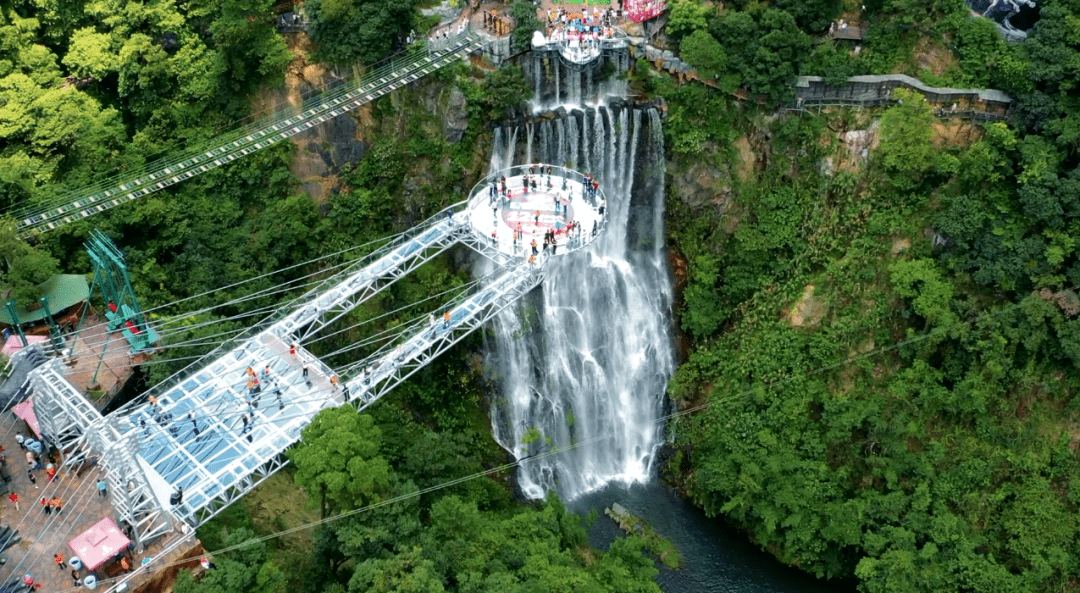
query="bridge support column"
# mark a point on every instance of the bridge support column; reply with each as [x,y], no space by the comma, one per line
[68,421]
[129,490]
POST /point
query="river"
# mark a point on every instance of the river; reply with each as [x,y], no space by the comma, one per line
[716,558]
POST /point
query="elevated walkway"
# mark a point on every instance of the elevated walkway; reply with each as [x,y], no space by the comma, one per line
[216,432]
[160,174]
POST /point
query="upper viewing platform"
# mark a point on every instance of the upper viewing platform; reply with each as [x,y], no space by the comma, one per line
[580,37]
[532,211]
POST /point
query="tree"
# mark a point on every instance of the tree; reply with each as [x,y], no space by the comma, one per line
[811,15]
[505,89]
[686,17]
[91,54]
[365,30]
[921,281]
[410,572]
[25,267]
[525,23]
[907,150]
[337,460]
[702,51]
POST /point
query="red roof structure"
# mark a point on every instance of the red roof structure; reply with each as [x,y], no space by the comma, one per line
[25,410]
[99,543]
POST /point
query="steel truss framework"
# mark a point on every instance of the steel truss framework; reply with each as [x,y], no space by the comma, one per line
[421,345]
[391,263]
[76,427]
[148,450]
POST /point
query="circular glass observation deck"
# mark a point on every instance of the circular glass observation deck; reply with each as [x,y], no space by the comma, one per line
[537,209]
[580,44]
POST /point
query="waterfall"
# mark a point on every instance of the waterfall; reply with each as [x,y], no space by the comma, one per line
[583,361]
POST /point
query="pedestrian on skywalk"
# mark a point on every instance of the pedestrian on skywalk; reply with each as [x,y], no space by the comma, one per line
[292,349]
[334,382]
[446,320]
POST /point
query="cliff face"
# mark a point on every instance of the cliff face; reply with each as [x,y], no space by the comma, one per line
[321,152]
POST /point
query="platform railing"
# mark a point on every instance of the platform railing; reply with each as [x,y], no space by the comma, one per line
[290,306]
[479,194]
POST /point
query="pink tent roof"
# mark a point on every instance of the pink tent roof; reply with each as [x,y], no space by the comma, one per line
[14,344]
[99,543]
[25,410]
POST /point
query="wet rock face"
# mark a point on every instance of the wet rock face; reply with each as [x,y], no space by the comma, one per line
[700,184]
[456,119]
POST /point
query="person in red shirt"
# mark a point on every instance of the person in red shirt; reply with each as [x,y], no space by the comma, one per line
[14,498]
[59,560]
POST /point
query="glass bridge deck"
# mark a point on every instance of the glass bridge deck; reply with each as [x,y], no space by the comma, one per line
[225,450]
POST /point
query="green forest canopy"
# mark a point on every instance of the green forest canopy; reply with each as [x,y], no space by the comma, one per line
[942,457]
[919,434]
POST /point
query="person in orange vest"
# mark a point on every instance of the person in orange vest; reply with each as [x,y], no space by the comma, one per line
[446,320]
[55,504]
[59,560]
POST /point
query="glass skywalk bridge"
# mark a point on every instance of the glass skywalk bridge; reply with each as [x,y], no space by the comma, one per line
[236,144]
[210,432]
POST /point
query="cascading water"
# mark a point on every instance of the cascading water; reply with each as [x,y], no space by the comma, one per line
[583,362]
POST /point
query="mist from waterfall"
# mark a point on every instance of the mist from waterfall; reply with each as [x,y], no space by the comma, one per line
[584,360]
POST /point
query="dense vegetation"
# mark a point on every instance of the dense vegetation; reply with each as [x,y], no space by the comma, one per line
[888,348]
[105,87]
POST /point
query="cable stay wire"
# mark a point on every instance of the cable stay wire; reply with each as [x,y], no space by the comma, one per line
[393,332]
[937,331]
[233,129]
[124,355]
[384,240]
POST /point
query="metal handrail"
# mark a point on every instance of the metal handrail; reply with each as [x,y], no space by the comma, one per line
[479,193]
[289,307]
[251,137]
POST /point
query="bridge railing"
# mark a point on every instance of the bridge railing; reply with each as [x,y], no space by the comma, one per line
[247,138]
[479,191]
[290,306]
